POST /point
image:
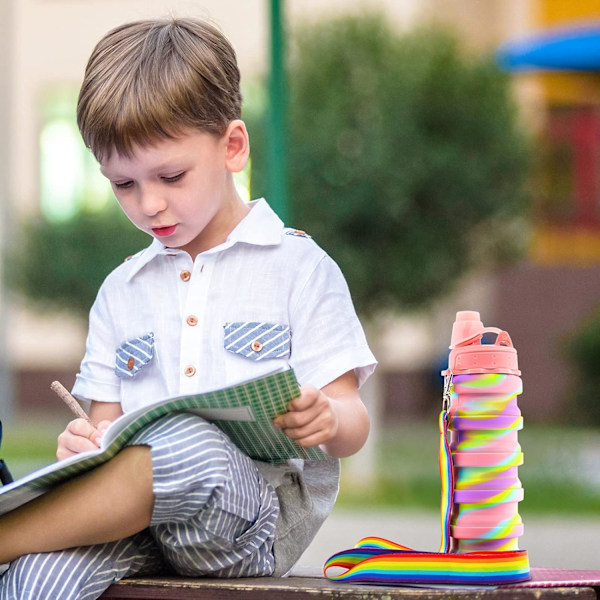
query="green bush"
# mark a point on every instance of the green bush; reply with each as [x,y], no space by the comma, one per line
[406,159]
[407,164]
[63,264]
[583,350]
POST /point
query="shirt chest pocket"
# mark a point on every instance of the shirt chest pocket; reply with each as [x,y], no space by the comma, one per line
[257,340]
[134,355]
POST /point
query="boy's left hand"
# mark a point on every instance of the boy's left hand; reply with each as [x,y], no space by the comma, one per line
[311,419]
[333,417]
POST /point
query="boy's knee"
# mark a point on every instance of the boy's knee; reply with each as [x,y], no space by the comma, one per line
[179,429]
[190,460]
[182,443]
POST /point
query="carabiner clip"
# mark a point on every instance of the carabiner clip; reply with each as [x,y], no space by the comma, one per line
[447,392]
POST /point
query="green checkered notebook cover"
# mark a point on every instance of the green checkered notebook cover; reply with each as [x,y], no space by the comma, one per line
[244,412]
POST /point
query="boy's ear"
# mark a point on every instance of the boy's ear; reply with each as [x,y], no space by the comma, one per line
[237,148]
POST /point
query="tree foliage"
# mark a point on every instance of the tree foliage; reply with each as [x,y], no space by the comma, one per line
[583,351]
[407,162]
[62,265]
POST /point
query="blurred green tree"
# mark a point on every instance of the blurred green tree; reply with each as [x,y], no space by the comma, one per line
[583,350]
[407,164]
[406,157]
[62,264]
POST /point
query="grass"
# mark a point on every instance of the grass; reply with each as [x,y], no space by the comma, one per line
[559,475]
[30,444]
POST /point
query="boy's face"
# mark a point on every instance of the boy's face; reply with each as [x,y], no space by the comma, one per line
[179,190]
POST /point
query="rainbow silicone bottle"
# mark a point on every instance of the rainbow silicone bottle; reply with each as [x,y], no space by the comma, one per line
[484,382]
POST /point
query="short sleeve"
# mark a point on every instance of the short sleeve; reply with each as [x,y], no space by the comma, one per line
[327,337]
[96,379]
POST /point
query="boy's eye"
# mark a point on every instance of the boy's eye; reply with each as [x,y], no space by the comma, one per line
[174,178]
[122,185]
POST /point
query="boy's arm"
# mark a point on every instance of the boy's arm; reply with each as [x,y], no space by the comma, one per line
[104,411]
[333,417]
[81,435]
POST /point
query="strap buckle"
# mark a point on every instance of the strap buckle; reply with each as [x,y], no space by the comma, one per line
[447,394]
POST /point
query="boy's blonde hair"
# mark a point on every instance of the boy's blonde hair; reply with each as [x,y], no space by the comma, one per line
[151,79]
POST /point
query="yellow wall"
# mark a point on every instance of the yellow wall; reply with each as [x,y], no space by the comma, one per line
[569,88]
[566,244]
[559,11]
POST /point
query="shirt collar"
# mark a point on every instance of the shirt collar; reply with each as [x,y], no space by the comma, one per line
[260,227]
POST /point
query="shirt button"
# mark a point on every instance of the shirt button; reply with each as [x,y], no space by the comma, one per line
[256,346]
[192,321]
[189,371]
[185,275]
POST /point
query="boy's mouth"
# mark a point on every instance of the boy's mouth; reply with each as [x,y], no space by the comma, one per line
[164,231]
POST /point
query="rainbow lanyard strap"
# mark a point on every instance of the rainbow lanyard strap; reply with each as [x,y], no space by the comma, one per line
[376,560]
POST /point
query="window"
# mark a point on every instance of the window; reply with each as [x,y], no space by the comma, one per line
[570,190]
[70,179]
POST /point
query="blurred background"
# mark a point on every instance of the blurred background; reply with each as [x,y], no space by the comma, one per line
[446,153]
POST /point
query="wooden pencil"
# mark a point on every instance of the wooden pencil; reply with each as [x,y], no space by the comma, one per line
[69,400]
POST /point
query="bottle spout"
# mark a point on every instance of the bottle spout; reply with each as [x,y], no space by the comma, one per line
[469,355]
[467,326]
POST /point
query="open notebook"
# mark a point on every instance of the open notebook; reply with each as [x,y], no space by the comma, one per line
[244,412]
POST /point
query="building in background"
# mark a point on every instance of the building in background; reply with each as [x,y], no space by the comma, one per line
[538,301]
[546,298]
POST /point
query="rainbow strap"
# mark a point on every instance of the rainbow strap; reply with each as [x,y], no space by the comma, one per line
[375,560]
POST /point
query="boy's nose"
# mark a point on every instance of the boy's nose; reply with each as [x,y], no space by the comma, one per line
[152,202]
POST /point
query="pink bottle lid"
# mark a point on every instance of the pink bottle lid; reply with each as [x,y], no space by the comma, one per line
[469,356]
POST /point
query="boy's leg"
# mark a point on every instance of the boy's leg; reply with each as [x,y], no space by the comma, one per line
[111,502]
[214,514]
[80,573]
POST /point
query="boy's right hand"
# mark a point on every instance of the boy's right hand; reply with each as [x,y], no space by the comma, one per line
[80,436]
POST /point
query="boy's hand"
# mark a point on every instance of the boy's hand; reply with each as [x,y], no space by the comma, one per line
[311,419]
[334,417]
[80,436]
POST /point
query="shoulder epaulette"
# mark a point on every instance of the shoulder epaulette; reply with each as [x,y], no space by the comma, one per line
[297,233]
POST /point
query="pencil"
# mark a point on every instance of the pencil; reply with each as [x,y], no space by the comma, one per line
[69,400]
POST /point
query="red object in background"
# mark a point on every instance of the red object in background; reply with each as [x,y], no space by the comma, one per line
[578,128]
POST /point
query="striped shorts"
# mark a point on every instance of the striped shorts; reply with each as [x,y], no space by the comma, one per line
[214,515]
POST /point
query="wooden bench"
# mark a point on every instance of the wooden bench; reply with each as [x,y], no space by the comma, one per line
[317,588]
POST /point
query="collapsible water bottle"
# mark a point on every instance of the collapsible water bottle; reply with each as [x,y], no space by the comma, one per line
[479,456]
[484,420]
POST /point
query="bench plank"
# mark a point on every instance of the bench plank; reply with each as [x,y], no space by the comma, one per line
[307,588]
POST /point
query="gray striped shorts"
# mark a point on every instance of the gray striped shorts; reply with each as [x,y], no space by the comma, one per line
[214,515]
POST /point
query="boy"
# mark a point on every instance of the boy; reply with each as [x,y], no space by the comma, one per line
[223,293]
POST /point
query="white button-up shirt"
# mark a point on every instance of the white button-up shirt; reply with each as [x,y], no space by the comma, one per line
[164,325]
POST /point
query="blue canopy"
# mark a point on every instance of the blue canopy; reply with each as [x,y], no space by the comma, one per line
[576,48]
